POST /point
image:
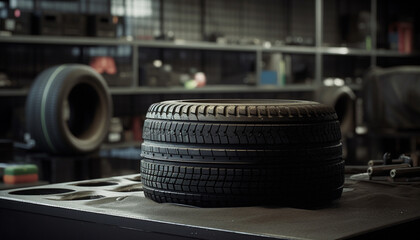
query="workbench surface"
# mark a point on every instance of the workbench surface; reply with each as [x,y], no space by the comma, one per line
[116,208]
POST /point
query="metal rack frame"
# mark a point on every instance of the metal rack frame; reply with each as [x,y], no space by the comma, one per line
[318,50]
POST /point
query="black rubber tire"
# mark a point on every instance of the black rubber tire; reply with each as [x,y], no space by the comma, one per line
[68,110]
[239,154]
[214,185]
[234,133]
[216,153]
[237,110]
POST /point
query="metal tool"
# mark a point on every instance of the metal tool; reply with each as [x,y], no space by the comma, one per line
[405,172]
[387,160]
[384,170]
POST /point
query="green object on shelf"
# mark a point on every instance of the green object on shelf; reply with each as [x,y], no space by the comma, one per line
[21,169]
[190,84]
[368,43]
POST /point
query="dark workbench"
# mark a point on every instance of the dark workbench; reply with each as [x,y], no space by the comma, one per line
[366,209]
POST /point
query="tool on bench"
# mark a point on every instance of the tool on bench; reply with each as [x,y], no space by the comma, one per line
[388,164]
[383,170]
[388,160]
[405,172]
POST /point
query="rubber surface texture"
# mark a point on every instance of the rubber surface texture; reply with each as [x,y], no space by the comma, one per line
[220,153]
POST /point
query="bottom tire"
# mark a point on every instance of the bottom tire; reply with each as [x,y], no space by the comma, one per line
[227,185]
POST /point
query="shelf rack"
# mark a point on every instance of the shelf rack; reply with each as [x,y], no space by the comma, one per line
[58,40]
[318,51]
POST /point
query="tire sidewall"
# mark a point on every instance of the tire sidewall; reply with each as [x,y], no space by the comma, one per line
[84,75]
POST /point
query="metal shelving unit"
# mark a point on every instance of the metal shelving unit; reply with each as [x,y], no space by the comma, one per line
[33,39]
[318,51]
[209,89]
[198,45]
[7,92]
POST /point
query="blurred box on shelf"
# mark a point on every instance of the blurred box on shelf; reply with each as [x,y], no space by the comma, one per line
[16,22]
[268,77]
[103,25]
[278,70]
[74,25]
[400,37]
[160,76]
[120,79]
[18,173]
[48,23]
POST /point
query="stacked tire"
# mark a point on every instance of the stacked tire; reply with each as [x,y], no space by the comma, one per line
[220,153]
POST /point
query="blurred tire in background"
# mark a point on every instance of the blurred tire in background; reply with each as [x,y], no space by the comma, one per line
[68,110]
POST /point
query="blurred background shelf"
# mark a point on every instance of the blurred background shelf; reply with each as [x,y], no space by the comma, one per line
[182,90]
[245,49]
[394,53]
[13,92]
[61,40]
[210,89]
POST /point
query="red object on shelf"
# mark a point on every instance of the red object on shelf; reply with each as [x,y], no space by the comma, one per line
[404,33]
[17,13]
[104,65]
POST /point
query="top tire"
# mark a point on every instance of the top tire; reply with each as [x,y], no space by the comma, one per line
[68,110]
[241,122]
[236,110]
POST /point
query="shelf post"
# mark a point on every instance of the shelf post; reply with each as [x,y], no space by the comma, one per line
[373,17]
[135,62]
[318,42]
[258,66]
